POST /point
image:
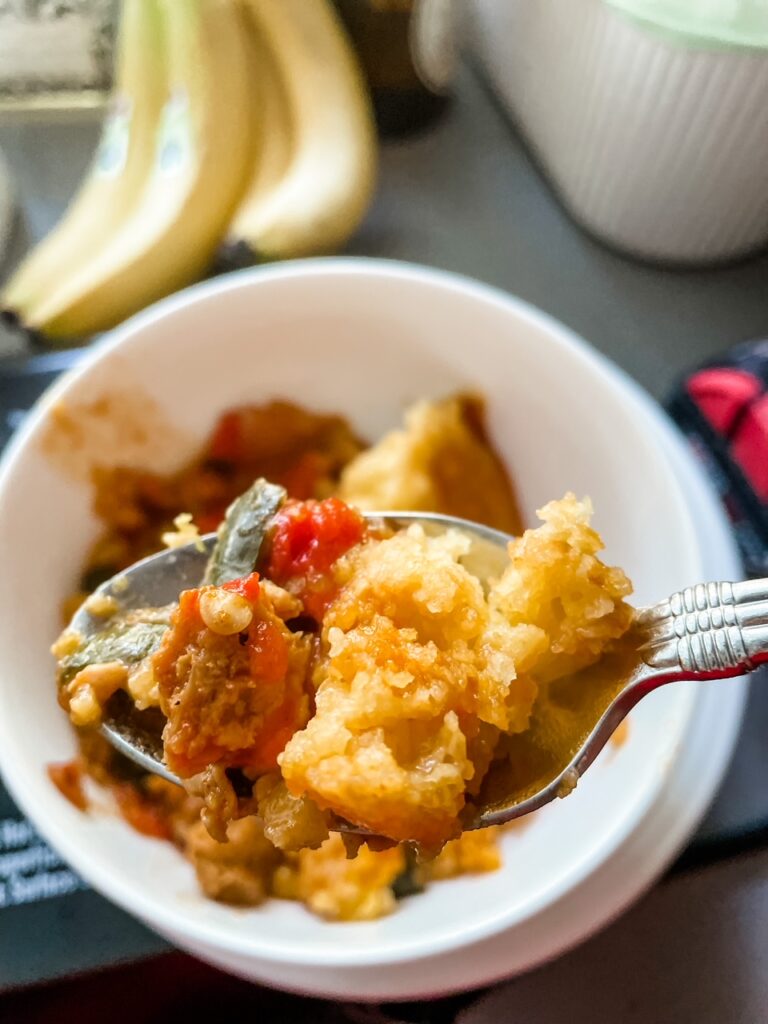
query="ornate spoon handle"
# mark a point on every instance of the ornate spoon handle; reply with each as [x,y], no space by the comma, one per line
[707,631]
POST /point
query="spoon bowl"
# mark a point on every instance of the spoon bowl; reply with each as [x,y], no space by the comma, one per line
[705,632]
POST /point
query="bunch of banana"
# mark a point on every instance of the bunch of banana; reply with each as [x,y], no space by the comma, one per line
[318,181]
[237,126]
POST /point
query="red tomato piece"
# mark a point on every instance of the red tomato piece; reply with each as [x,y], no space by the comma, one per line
[209,522]
[68,779]
[226,440]
[245,586]
[141,813]
[269,653]
[308,538]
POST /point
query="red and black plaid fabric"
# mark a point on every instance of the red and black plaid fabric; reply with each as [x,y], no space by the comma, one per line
[722,408]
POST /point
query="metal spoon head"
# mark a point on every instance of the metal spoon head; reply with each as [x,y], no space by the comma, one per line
[151,583]
[565,734]
[532,772]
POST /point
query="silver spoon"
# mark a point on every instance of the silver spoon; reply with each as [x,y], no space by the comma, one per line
[708,631]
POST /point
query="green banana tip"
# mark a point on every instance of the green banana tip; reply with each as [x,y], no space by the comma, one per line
[10,318]
[13,321]
[40,340]
[236,254]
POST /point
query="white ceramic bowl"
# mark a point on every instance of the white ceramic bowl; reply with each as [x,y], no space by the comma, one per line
[365,338]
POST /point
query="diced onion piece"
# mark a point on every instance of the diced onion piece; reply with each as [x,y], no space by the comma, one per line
[224,612]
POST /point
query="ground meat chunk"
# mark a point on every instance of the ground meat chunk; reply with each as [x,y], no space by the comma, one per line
[230,699]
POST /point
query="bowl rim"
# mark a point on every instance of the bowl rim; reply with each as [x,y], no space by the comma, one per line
[164,916]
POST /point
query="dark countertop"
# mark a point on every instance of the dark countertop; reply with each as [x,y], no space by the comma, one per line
[466,197]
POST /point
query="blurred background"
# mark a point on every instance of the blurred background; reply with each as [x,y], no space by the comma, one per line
[604,160]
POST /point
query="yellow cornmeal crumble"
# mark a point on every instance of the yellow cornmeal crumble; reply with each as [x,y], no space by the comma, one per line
[419,672]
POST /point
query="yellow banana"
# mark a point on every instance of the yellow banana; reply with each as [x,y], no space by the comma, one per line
[326,187]
[119,169]
[276,130]
[201,167]
[274,134]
